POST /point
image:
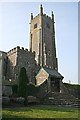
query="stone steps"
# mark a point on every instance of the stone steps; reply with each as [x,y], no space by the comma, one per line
[57,98]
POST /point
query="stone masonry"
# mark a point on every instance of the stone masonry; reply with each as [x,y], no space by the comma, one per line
[42,39]
[18,58]
[42,53]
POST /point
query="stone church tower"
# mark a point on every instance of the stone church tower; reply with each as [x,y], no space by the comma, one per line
[42,39]
[40,61]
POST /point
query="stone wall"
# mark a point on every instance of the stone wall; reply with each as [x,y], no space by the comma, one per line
[18,58]
[3,63]
[7,90]
[35,35]
[49,41]
[42,40]
[72,89]
[43,90]
[26,59]
[12,59]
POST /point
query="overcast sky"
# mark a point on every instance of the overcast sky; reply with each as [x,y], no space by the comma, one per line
[14,31]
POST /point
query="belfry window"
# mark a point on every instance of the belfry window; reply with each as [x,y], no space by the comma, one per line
[47,25]
[35,26]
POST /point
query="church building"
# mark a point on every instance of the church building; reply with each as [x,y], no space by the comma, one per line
[40,61]
[42,41]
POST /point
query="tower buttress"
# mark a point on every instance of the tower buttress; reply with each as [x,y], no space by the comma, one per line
[55,64]
[41,37]
[52,16]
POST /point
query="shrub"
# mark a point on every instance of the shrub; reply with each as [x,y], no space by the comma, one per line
[22,86]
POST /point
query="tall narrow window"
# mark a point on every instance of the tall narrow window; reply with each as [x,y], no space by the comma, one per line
[35,26]
[31,36]
[31,43]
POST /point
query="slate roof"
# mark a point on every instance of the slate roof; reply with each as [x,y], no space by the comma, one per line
[53,72]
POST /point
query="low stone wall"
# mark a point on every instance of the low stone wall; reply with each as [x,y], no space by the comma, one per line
[73,89]
[7,90]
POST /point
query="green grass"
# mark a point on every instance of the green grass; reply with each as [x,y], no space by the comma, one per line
[40,112]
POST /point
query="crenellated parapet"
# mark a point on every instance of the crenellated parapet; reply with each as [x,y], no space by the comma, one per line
[18,49]
[48,66]
[43,15]
[36,16]
[11,51]
[47,16]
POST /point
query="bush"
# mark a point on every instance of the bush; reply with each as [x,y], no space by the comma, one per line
[22,87]
[17,100]
[23,80]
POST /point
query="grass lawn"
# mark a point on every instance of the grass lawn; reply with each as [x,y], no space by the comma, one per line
[40,112]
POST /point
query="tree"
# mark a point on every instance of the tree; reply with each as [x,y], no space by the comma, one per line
[22,86]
